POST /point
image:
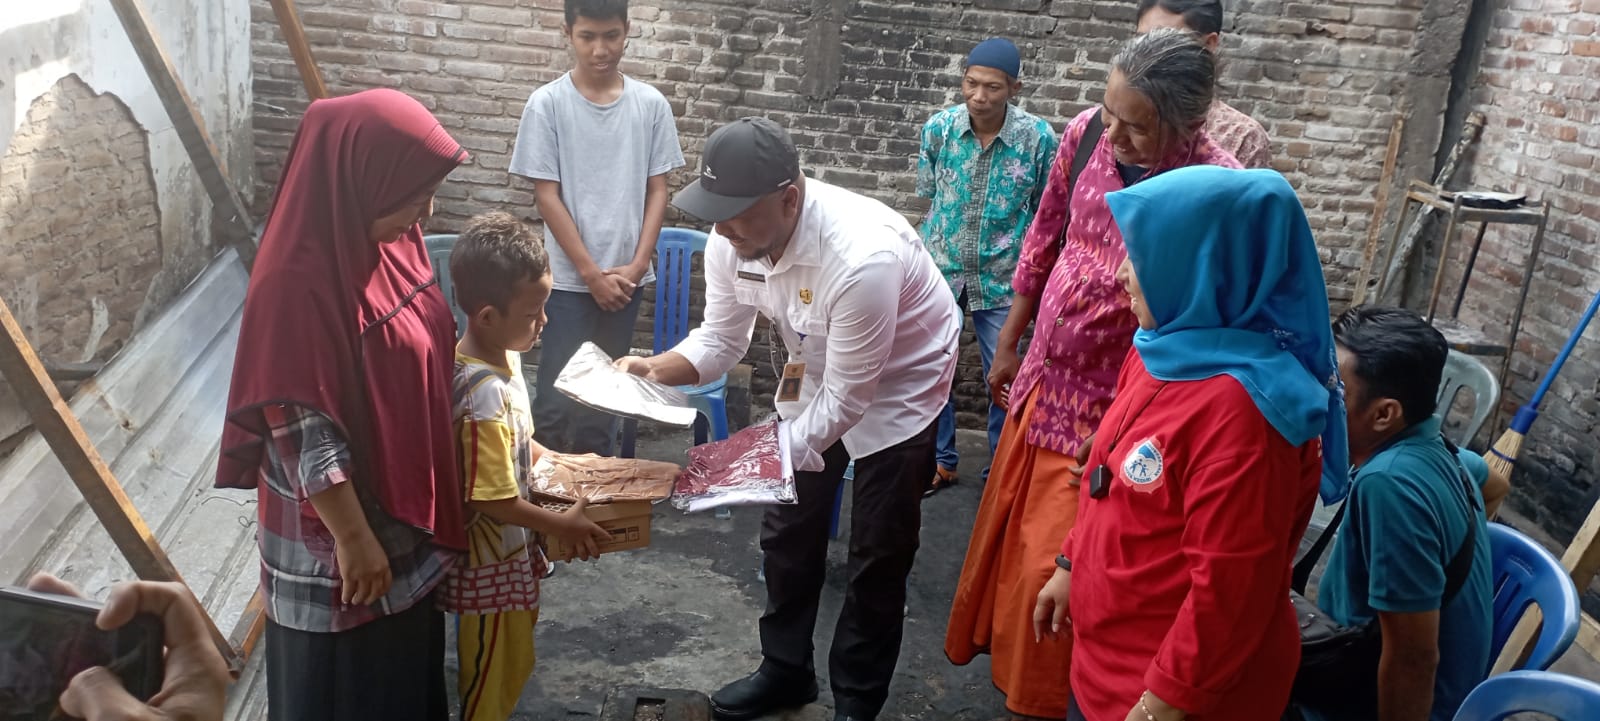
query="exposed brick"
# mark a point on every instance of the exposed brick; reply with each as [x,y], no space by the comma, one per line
[483,71]
[465,31]
[96,241]
[500,16]
[444,10]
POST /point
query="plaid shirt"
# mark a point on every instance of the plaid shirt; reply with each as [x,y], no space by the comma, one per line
[306,455]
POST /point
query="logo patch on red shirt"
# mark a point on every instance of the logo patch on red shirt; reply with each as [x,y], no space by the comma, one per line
[1142,467]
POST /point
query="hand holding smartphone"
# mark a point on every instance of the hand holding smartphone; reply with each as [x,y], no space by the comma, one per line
[47,639]
[192,676]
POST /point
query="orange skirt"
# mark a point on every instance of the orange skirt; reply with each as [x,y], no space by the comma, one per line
[1029,504]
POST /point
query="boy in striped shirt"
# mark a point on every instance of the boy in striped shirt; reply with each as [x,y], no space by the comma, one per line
[502,280]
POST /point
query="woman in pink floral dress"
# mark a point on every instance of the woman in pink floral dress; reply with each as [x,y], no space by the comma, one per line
[1156,101]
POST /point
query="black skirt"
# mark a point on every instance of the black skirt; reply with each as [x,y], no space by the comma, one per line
[391,669]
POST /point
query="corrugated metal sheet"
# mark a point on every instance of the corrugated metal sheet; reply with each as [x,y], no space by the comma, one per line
[155,415]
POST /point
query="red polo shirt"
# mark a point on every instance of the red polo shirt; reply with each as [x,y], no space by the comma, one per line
[1180,574]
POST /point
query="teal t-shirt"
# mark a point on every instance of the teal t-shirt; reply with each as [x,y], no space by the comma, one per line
[1406,518]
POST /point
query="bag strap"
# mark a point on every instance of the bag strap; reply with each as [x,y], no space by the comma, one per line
[1455,571]
[1303,567]
[1460,565]
[1080,159]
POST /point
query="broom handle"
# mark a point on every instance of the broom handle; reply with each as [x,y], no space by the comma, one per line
[1532,408]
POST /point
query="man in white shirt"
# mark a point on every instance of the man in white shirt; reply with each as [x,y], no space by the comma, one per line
[870,327]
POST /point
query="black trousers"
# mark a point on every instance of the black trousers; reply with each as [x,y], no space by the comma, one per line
[391,669]
[885,521]
[1073,712]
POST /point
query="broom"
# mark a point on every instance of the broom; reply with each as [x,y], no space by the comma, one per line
[1503,456]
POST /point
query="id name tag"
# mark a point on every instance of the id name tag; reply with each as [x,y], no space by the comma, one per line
[789,384]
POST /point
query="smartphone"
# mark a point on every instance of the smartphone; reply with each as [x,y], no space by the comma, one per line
[45,640]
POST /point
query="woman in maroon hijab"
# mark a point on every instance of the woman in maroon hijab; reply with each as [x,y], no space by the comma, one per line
[339,417]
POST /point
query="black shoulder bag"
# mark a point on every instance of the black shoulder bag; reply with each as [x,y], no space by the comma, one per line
[1080,159]
[1339,664]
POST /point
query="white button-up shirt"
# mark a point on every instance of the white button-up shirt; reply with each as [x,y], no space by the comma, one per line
[856,298]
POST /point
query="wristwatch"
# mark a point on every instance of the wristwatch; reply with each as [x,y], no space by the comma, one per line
[1064,563]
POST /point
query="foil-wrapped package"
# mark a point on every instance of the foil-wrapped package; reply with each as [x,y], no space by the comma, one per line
[598,478]
[591,379]
[750,468]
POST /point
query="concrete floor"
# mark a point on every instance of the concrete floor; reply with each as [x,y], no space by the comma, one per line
[682,613]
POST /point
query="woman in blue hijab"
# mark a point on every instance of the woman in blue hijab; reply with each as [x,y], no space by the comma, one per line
[1228,419]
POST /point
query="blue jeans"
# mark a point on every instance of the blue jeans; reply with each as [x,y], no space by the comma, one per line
[559,423]
[988,324]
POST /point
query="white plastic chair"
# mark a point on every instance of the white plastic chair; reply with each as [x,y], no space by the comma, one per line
[1465,373]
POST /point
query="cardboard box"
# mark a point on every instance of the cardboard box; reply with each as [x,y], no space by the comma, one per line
[627,521]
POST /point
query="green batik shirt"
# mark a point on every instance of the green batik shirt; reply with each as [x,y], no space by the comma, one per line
[983,198]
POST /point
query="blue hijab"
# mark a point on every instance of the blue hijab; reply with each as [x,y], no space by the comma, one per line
[1230,271]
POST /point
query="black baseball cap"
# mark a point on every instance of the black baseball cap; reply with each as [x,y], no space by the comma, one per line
[743,161]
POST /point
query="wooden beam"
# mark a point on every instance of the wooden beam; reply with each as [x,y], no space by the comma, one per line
[1369,254]
[1589,635]
[1582,558]
[191,128]
[66,438]
[247,632]
[294,35]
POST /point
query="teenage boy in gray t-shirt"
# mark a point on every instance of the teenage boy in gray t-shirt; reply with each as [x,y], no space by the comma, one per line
[598,146]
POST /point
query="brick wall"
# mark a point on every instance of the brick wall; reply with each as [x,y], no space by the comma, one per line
[854,80]
[76,268]
[82,236]
[1538,87]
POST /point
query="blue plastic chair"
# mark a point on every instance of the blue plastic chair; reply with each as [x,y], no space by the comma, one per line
[1561,697]
[1524,575]
[675,251]
[439,247]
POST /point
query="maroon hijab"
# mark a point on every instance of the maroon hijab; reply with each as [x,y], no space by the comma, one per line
[353,329]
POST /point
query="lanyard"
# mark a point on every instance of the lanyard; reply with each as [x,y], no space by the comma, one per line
[1100,476]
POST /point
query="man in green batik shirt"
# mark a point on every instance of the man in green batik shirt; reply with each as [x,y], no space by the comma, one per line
[983,164]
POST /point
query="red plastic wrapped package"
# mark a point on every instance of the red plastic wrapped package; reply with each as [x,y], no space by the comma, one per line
[750,468]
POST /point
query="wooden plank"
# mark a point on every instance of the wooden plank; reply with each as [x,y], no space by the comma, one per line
[1589,635]
[56,423]
[248,630]
[191,128]
[294,35]
[1369,254]
[1582,558]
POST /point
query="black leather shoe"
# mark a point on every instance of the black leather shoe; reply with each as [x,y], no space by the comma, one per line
[759,694]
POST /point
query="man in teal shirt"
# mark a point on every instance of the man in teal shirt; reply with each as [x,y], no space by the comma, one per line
[983,163]
[1407,515]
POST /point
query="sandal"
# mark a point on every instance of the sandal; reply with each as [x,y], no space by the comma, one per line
[942,478]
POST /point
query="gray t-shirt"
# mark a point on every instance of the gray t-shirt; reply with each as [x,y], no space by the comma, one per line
[602,155]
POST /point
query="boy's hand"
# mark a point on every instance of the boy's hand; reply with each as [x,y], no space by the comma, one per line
[633,272]
[611,292]
[581,532]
